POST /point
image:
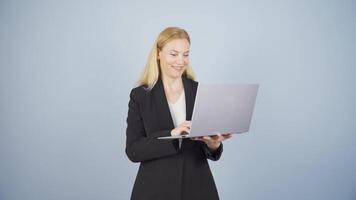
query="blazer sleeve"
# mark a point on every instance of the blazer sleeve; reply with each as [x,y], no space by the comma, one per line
[212,155]
[140,147]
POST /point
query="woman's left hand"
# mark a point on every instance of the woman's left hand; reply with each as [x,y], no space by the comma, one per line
[214,141]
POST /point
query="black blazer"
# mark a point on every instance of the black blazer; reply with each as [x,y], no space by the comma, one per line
[166,171]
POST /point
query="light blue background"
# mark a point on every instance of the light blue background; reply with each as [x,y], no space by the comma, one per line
[67,68]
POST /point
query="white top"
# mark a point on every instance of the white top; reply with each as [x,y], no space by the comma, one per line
[178,112]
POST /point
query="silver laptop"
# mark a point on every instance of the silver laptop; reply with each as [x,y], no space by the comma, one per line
[221,108]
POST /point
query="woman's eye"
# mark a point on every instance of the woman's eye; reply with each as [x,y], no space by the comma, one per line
[173,54]
[187,55]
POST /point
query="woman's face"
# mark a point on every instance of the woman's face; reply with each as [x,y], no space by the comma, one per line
[174,58]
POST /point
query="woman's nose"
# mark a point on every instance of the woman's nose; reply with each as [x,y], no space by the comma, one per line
[180,60]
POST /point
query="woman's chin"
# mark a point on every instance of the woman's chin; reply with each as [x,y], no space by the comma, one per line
[176,74]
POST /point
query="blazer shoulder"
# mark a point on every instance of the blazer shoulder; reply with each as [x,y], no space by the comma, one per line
[194,85]
[192,82]
[138,92]
[139,89]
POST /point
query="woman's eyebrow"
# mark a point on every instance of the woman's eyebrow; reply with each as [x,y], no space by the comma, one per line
[178,51]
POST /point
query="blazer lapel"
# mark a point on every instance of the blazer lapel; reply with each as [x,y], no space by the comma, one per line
[189,98]
[164,117]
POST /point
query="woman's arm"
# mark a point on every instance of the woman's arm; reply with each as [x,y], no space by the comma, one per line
[140,147]
[212,145]
[213,155]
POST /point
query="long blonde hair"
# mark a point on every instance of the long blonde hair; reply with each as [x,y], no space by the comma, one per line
[151,71]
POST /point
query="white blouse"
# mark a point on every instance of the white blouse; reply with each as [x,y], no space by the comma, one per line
[178,112]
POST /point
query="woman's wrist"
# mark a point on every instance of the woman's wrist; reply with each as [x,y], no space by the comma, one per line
[214,146]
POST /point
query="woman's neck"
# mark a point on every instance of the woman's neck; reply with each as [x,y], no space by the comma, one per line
[172,84]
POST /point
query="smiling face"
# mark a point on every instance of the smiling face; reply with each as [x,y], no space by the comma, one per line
[174,58]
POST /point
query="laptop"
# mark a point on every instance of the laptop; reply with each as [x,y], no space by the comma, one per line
[221,108]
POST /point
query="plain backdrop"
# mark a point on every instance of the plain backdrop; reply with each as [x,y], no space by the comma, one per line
[67,68]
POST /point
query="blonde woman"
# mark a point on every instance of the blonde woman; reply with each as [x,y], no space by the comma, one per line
[162,105]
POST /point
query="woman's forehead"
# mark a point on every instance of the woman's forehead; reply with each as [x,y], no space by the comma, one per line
[180,45]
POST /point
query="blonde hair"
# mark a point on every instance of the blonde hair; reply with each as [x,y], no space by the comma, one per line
[151,72]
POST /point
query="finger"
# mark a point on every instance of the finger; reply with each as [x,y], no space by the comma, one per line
[187,124]
[184,130]
[214,137]
[226,137]
[198,138]
[217,138]
[208,138]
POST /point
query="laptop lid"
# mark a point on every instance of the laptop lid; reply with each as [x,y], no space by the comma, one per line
[223,108]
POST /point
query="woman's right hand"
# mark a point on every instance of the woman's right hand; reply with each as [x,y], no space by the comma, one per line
[182,129]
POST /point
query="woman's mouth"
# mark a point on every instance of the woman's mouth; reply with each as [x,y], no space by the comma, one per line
[179,68]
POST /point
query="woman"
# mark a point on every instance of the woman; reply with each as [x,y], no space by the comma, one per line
[162,105]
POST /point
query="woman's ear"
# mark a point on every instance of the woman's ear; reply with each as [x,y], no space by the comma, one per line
[158,54]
